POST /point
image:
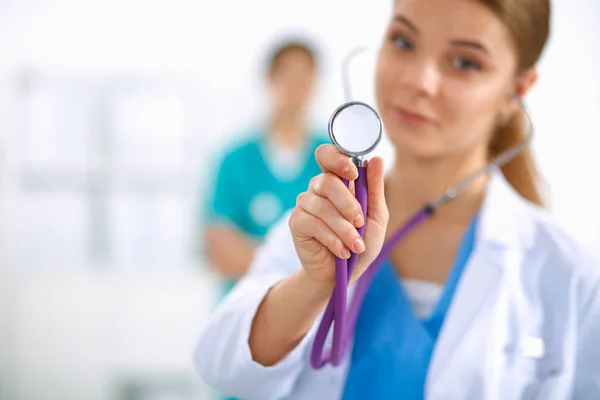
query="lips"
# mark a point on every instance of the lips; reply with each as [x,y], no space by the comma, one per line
[411,117]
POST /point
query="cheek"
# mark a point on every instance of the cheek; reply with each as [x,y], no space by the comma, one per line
[470,112]
[469,98]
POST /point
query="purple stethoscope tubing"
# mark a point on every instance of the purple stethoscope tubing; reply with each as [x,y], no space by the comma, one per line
[336,312]
[344,320]
[338,301]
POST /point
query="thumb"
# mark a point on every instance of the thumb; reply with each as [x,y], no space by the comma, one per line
[377,216]
[377,210]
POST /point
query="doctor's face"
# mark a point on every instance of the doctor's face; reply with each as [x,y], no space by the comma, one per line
[445,71]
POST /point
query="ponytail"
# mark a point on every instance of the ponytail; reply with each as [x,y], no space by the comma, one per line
[521,171]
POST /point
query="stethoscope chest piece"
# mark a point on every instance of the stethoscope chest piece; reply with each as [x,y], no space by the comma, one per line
[355,129]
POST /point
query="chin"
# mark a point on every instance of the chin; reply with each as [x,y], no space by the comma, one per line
[418,153]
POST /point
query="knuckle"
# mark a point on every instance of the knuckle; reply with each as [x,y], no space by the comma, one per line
[301,199]
[292,219]
[315,183]
[295,219]
[329,181]
[386,214]
[382,220]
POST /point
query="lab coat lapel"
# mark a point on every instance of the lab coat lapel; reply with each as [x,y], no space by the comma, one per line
[482,276]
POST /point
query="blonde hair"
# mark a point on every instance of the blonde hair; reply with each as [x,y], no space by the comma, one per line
[529,24]
[521,172]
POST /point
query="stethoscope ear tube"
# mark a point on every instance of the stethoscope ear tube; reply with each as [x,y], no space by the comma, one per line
[502,159]
[346,70]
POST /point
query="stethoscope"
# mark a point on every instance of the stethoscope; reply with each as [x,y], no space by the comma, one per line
[355,129]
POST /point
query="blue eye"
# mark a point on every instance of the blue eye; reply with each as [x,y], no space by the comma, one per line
[401,42]
[465,64]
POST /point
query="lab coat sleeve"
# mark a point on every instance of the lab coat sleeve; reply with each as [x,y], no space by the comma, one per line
[587,379]
[223,356]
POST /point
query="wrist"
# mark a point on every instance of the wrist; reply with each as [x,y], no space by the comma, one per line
[320,292]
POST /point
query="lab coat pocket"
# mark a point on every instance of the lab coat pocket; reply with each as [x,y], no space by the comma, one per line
[531,378]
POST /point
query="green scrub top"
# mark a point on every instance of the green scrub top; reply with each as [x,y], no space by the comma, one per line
[251,193]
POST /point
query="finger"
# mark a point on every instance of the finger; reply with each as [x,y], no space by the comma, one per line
[376,205]
[332,160]
[323,209]
[308,226]
[331,187]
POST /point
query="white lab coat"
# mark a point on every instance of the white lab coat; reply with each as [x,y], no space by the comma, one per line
[524,322]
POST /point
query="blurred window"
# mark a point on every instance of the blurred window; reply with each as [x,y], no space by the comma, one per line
[109,170]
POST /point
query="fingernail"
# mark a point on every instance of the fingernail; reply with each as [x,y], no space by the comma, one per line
[358,221]
[359,246]
[345,253]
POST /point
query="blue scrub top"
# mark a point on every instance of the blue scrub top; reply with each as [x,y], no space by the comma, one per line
[392,347]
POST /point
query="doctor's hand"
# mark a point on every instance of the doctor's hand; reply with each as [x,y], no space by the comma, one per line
[323,223]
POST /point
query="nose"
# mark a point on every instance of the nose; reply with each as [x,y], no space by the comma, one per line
[421,76]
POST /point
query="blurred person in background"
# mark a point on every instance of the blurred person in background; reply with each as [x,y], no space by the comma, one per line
[259,179]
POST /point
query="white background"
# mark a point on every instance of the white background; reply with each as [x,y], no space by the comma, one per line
[100,287]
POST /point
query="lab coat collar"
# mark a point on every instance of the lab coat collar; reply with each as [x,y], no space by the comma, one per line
[504,219]
[503,227]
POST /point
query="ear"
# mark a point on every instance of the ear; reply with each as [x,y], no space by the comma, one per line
[524,82]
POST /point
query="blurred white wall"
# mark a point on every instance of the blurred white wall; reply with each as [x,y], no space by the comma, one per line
[566,109]
[76,331]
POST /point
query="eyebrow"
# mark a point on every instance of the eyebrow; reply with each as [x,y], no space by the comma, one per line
[471,44]
[459,42]
[405,21]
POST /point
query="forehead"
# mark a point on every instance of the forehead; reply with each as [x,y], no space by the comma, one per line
[294,56]
[457,19]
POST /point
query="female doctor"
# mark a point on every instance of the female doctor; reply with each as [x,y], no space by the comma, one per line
[488,299]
